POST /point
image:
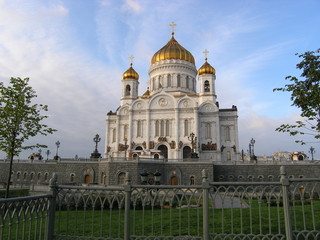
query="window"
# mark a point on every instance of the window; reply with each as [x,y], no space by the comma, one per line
[125,131]
[167,128]
[38,176]
[228,138]
[114,135]
[186,127]
[122,178]
[18,175]
[270,178]
[128,90]
[25,176]
[228,155]
[139,128]
[178,81]
[32,176]
[192,182]
[208,130]
[162,128]
[187,82]
[157,128]
[169,80]
[206,86]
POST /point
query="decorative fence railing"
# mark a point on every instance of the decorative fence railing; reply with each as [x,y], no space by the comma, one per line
[288,209]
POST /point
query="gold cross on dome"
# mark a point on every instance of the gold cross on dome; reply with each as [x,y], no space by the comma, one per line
[206,53]
[172,25]
[131,59]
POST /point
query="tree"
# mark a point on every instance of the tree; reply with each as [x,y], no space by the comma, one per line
[20,119]
[305,94]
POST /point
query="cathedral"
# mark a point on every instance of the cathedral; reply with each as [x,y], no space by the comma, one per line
[177,118]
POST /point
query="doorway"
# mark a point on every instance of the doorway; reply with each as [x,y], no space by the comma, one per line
[164,151]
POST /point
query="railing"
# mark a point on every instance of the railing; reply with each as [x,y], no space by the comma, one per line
[25,217]
[289,209]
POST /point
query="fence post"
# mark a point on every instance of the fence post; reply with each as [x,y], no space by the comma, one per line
[205,209]
[286,204]
[127,189]
[52,207]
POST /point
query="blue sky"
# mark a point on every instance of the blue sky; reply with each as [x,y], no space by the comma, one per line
[76,51]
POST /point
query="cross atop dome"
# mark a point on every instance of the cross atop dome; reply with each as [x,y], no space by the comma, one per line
[131,60]
[206,54]
[172,25]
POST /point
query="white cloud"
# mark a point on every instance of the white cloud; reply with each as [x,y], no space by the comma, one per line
[132,6]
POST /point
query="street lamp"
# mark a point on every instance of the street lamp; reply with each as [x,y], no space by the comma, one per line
[48,153]
[193,140]
[58,145]
[125,148]
[95,153]
[312,151]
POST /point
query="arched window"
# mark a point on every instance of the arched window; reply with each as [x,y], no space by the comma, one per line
[128,90]
[24,176]
[169,80]
[46,176]
[18,175]
[260,178]
[206,86]
[270,178]
[72,175]
[186,127]
[187,82]
[122,178]
[157,128]
[250,178]
[32,176]
[192,182]
[178,80]
[208,130]
[38,176]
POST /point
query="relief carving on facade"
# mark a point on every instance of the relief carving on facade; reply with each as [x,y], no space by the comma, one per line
[133,144]
[144,144]
[121,147]
[234,148]
[180,144]
[151,145]
[172,145]
[162,139]
[209,146]
[108,149]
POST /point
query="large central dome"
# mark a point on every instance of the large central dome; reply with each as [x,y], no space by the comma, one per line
[172,50]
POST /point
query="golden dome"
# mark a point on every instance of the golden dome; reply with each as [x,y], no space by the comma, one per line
[206,68]
[172,50]
[130,74]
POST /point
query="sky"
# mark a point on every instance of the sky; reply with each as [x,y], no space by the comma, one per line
[75,51]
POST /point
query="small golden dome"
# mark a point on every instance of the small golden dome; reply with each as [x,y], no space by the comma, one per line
[206,68]
[173,50]
[130,74]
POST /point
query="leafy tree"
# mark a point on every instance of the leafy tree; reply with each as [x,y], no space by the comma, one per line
[20,119]
[305,94]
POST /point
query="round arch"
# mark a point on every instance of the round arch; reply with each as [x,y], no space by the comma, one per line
[164,150]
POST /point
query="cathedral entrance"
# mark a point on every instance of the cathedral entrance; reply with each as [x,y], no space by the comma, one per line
[186,152]
[164,150]
[174,180]
[87,179]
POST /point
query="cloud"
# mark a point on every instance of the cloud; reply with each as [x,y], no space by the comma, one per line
[132,6]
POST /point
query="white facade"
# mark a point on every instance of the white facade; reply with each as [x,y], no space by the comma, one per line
[158,123]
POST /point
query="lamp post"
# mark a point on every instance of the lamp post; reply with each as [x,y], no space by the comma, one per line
[193,140]
[95,153]
[58,145]
[312,151]
[48,153]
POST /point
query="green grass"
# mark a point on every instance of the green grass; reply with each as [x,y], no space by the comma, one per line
[259,219]
[15,193]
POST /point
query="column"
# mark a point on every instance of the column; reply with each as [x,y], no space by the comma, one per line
[147,138]
[177,125]
[130,129]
